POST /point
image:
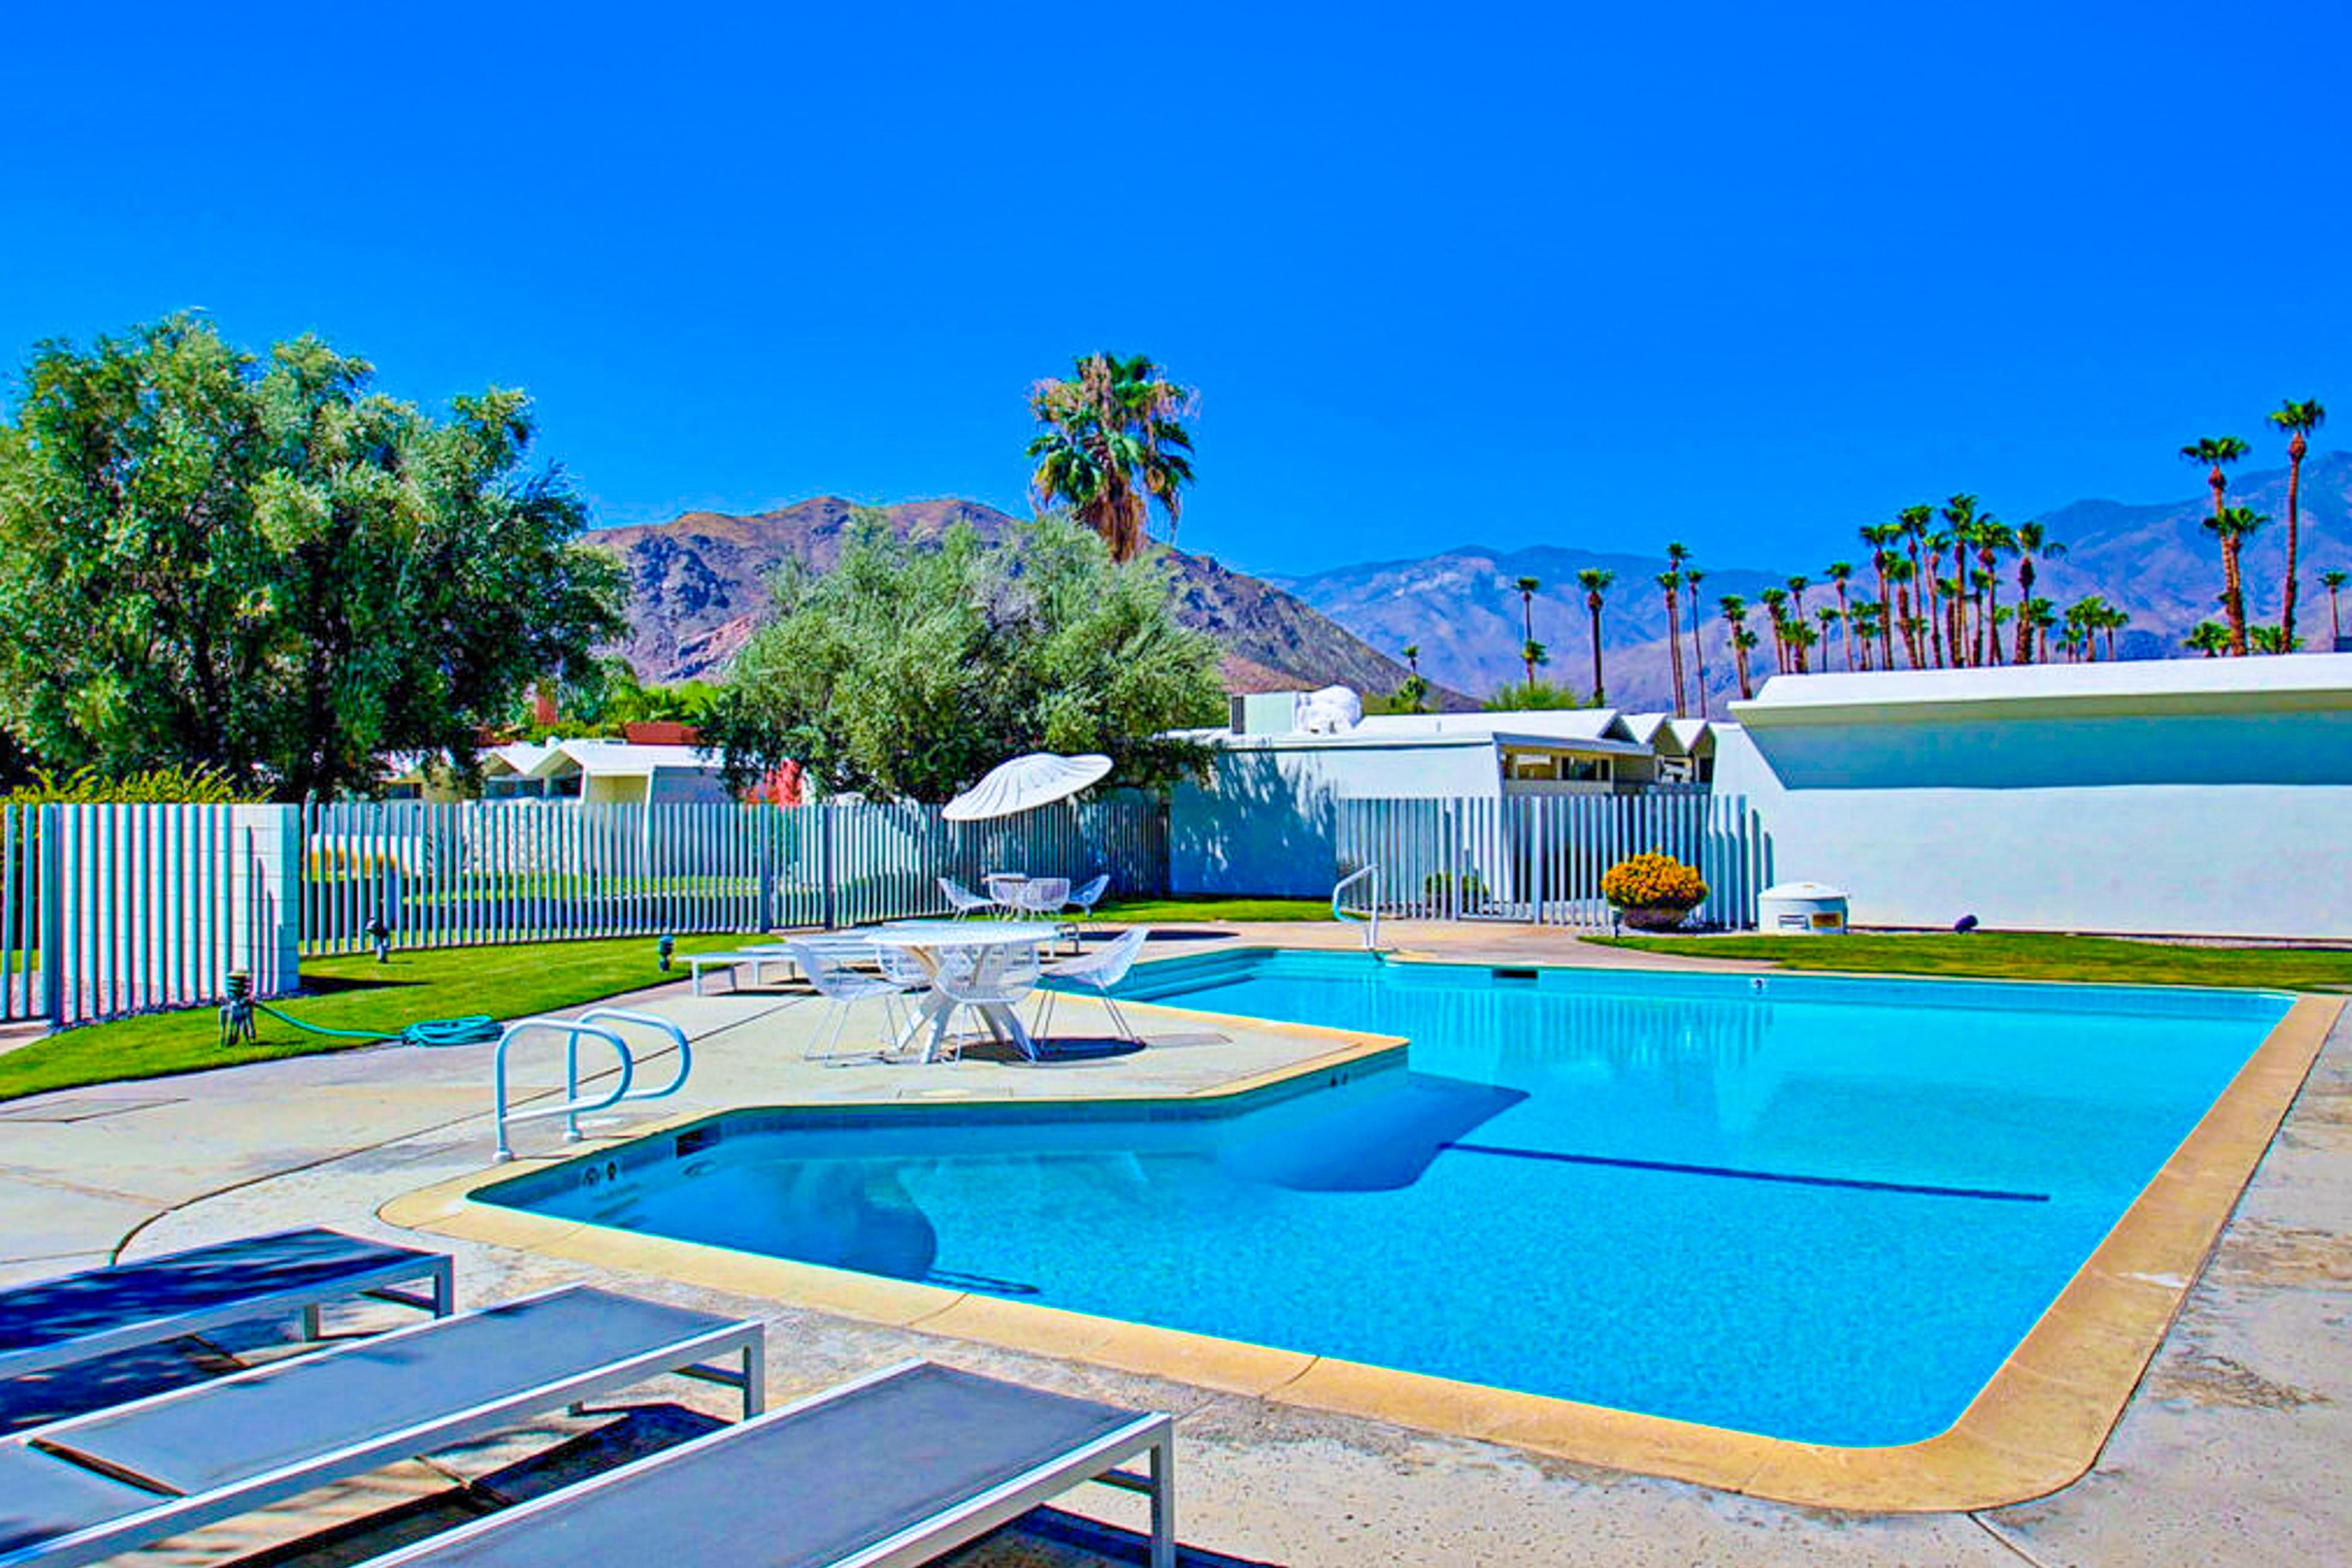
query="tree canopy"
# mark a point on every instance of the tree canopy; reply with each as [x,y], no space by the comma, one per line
[910,670]
[209,559]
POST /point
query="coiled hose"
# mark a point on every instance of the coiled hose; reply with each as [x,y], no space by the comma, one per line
[236,1023]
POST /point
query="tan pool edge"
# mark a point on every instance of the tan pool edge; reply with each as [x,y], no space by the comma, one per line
[2038,1424]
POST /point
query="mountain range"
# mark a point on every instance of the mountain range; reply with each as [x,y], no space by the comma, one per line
[698,590]
[699,587]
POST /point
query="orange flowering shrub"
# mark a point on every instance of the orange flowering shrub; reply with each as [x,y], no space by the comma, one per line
[1652,881]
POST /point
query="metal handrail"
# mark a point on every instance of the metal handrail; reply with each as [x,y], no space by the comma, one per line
[572,1107]
[1372,911]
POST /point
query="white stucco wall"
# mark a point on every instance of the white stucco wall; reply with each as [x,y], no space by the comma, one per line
[2155,799]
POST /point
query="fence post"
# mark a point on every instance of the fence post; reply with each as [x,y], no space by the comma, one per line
[51,880]
[828,903]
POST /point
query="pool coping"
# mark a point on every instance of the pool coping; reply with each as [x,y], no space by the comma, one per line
[2037,1425]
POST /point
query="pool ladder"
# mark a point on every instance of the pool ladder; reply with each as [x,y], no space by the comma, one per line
[1368,917]
[594,1024]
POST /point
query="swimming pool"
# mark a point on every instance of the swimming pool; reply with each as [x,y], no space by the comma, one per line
[1810,1208]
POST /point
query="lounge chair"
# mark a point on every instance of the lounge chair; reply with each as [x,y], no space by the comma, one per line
[758,958]
[77,1491]
[79,1318]
[897,1467]
[1100,972]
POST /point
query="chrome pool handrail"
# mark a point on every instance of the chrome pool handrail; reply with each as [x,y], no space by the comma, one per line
[591,1024]
[1370,917]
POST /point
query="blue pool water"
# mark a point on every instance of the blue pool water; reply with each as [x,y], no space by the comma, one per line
[1817,1209]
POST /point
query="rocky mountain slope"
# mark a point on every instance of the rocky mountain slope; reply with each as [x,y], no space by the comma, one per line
[2154,560]
[698,588]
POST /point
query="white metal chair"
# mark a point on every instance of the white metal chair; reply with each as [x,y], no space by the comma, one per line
[991,982]
[962,899]
[1089,895]
[829,966]
[1004,888]
[1099,971]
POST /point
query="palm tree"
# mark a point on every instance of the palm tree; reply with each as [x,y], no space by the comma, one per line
[1801,637]
[2214,452]
[1114,441]
[1880,539]
[1939,603]
[2111,621]
[2208,637]
[1867,621]
[1912,520]
[1742,640]
[1900,571]
[2269,639]
[1734,614]
[1992,537]
[2035,617]
[1678,556]
[1533,653]
[2298,420]
[2333,580]
[1595,582]
[1776,600]
[1671,582]
[1412,656]
[1797,586]
[2234,525]
[1527,587]
[2031,539]
[1830,618]
[1839,572]
[1692,578]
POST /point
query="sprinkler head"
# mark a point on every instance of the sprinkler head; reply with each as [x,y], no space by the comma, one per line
[380,933]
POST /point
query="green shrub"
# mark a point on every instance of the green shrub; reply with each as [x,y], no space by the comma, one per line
[174,785]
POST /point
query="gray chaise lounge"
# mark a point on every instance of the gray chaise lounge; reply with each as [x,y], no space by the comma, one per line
[79,1489]
[893,1468]
[57,1322]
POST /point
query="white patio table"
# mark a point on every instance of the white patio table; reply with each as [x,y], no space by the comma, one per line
[925,941]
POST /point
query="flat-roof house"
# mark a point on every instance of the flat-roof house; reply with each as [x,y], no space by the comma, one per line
[598,771]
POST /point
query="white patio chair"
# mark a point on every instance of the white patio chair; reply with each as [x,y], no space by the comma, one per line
[962,899]
[982,979]
[828,964]
[1099,971]
[1004,888]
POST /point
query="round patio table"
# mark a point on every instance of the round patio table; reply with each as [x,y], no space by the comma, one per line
[925,941]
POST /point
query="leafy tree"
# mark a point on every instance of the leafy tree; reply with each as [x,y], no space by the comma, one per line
[910,670]
[1113,442]
[210,558]
[2298,420]
[1532,696]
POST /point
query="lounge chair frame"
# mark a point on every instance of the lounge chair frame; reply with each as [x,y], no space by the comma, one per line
[378,1282]
[1153,1436]
[689,1356]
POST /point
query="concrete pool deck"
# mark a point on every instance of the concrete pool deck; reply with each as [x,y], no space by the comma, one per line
[2230,1452]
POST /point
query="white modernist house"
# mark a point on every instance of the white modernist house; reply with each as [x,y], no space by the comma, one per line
[597,772]
[2206,796]
[1263,820]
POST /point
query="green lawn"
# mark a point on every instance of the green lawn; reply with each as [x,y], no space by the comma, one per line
[1178,911]
[508,982]
[2021,955]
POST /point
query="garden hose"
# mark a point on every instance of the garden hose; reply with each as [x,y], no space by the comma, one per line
[236,1023]
[474,1029]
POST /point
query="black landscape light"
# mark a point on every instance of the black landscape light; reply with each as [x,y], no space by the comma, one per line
[380,933]
[667,945]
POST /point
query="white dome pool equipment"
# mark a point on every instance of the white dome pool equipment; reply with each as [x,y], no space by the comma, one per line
[1801,909]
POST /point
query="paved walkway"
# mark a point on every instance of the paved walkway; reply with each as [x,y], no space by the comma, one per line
[2233,1452]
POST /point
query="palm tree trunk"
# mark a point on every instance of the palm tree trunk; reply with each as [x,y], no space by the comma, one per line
[1938,614]
[1698,651]
[1739,663]
[2294,451]
[2024,597]
[2233,600]
[1592,604]
[1886,622]
[1674,643]
[1845,628]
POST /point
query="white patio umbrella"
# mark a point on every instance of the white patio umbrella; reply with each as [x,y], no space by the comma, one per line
[1025,783]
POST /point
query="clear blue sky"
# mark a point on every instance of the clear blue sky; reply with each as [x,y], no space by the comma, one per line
[1746,276]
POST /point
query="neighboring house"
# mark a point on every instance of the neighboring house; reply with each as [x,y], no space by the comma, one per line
[612,772]
[1261,822]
